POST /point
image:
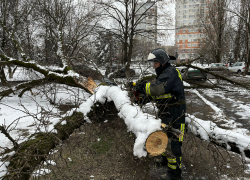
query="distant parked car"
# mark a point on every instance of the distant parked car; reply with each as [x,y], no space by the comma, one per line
[118,71]
[216,67]
[238,67]
[182,69]
[195,74]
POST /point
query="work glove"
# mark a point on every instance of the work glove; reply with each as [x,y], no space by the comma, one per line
[140,87]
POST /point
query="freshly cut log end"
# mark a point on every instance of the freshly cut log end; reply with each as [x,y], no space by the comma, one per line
[156,143]
[87,83]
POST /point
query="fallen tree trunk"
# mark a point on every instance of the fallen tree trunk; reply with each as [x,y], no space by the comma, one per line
[209,131]
[30,153]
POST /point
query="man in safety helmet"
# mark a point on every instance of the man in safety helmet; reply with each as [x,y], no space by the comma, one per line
[168,92]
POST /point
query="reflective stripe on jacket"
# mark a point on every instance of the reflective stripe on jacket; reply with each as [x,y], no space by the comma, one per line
[168,85]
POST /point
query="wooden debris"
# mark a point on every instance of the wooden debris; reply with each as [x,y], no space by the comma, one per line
[87,83]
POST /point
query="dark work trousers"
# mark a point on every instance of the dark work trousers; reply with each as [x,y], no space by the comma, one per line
[173,152]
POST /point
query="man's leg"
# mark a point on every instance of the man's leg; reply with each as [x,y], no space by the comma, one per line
[174,162]
[173,157]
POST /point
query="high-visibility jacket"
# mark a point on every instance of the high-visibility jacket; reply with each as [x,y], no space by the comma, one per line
[168,92]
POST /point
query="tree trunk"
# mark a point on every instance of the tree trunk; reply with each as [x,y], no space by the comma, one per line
[3,77]
[247,61]
[11,72]
[32,152]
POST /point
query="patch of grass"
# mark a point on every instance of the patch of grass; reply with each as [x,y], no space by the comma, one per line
[101,147]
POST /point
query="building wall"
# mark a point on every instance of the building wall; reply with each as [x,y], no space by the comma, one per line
[149,23]
[189,36]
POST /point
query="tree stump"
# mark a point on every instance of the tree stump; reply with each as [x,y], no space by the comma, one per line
[156,143]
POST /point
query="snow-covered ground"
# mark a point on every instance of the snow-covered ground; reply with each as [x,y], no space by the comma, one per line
[33,113]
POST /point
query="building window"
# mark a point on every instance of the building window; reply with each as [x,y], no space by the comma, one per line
[189,45]
[184,31]
[194,45]
[183,45]
[183,50]
[190,35]
[183,41]
[184,16]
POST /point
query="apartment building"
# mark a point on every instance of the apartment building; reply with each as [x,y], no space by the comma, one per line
[146,30]
[148,26]
[189,35]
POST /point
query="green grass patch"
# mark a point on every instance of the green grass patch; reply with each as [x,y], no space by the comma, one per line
[101,147]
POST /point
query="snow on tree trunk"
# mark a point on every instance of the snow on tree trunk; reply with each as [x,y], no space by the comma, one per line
[141,124]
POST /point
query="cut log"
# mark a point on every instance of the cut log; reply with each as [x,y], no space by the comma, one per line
[156,143]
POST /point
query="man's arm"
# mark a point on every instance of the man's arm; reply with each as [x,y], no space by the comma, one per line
[163,85]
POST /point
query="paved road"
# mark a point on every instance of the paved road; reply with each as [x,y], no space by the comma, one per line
[234,102]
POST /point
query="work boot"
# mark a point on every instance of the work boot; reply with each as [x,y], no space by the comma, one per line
[166,177]
[162,161]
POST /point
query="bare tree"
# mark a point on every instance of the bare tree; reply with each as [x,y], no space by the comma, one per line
[128,15]
[14,22]
[214,25]
[241,11]
[60,30]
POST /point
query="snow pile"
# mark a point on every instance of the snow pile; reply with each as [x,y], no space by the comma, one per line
[33,113]
[141,124]
[50,162]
